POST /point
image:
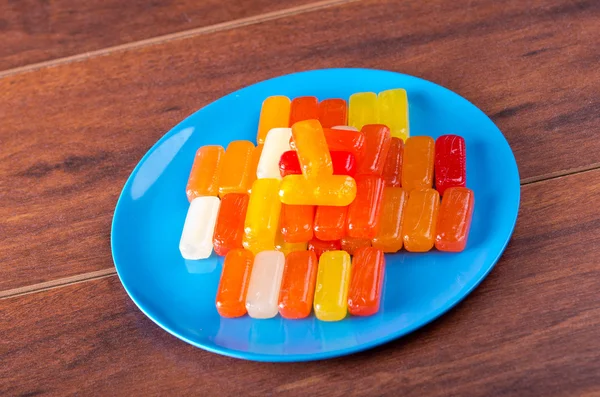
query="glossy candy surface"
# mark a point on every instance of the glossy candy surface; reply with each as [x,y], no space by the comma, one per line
[389,235]
[229,229]
[366,281]
[233,285]
[265,283]
[345,128]
[343,163]
[333,112]
[420,218]
[450,162]
[298,284]
[304,108]
[417,167]
[330,223]
[392,168]
[319,247]
[204,176]
[275,113]
[454,219]
[351,244]
[362,109]
[331,290]
[338,190]
[364,212]
[313,152]
[392,110]
[196,238]
[253,167]
[377,146]
[283,246]
[277,142]
[345,141]
[234,176]
[262,216]
[297,222]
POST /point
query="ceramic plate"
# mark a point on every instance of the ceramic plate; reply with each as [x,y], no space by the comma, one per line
[179,295]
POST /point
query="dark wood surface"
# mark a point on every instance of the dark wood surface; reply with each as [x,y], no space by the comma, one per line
[73,133]
[40,30]
[530,329]
[72,130]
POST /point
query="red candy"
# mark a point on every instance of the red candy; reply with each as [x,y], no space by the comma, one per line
[366,282]
[229,229]
[392,169]
[304,108]
[344,163]
[333,112]
[378,141]
[363,213]
[450,163]
[318,246]
[346,141]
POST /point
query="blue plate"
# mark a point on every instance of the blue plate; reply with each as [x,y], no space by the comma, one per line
[179,295]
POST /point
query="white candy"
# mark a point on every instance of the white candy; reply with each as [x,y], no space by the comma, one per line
[276,143]
[344,127]
[196,238]
[265,282]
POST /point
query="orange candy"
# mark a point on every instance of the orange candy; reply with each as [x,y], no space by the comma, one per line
[298,284]
[333,112]
[235,277]
[346,141]
[275,113]
[420,218]
[254,158]
[417,167]
[351,244]
[330,223]
[313,152]
[363,213]
[392,169]
[236,168]
[389,236]
[378,140]
[229,230]
[297,223]
[204,177]
[304,108]
[366,282]
[454,219]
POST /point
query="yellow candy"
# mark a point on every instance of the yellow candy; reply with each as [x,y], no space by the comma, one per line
[392,110]
[313,152]
[275,113]
[331,292]
[362,109]
[335,190]
[262,216]
[286,248]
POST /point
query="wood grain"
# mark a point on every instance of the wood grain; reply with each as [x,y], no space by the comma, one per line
[530,329]
[71,134]
[39,30]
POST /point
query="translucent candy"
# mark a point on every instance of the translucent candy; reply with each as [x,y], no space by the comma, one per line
[319,247]
[392,110]
[277,142]
[420,217]
[417,168]
[333,112]
[330,223]
[298,284]
[351,244]
[265,283]
[282,246]
[233,286]
[204,177]
[262,217]
[346,141]
[229,230]
[331,291]
[304,108]
[338,190]
[343,163]
[313,152]
[377,146]
[345,128]
[364,212]
[454,219]
[362,109]
[389,235]
[366,282]
[392,169]
[253,167]
[297,223]
[196,238]
[450,163]
[275,113]
[235,170]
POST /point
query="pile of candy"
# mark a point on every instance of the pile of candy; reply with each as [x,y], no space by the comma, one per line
[325,182]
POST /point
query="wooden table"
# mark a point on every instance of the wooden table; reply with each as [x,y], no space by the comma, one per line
[87,87]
